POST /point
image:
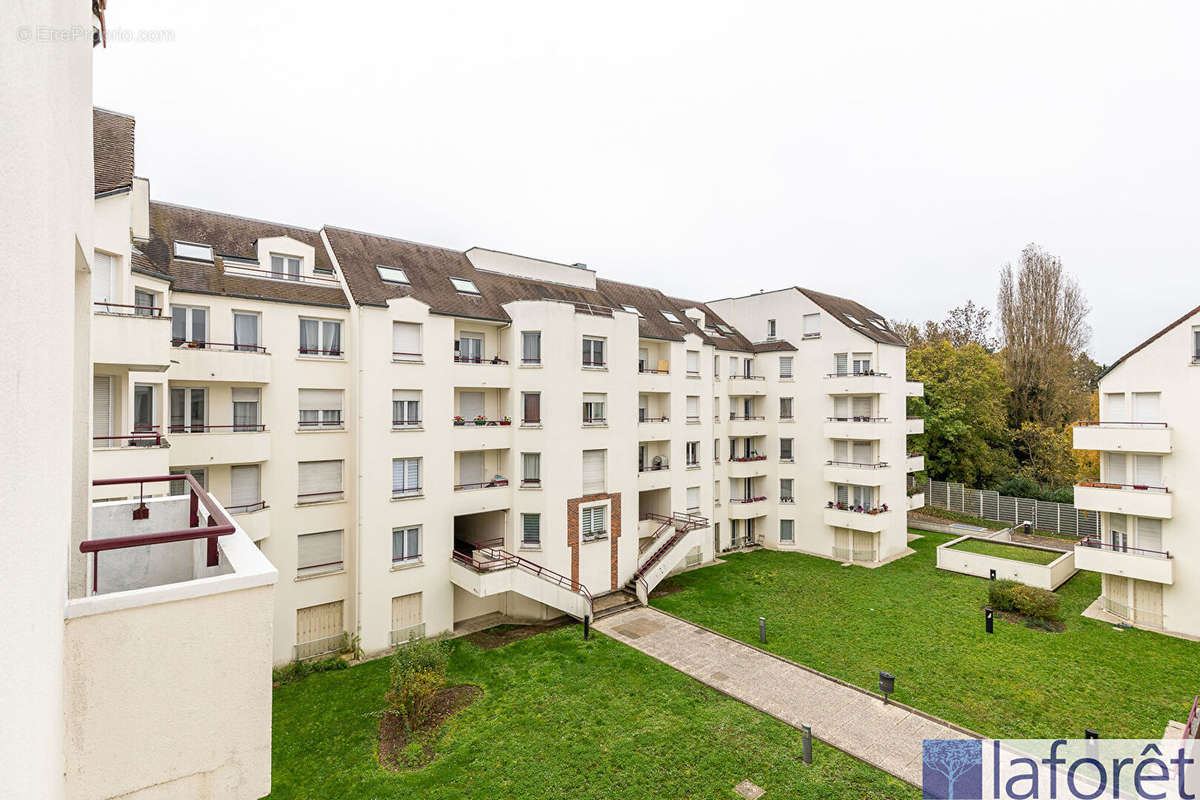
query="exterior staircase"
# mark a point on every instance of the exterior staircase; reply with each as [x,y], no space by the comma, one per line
[673,538]
[485,569]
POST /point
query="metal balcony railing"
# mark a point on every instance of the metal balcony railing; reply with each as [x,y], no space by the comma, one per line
[1099,544]
[240,428]
[1137,487]
[466,487]
[857,464]
[127,310]
[1110,424]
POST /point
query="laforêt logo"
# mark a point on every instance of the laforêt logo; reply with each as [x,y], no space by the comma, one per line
[952,769]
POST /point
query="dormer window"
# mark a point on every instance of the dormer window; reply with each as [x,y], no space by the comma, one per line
[196,252]
[285,268]
[671,317]
[464,286]
[631,310]
[392,274]
[853,319]
[770,329]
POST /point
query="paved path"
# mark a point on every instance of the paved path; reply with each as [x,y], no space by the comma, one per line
[885,736]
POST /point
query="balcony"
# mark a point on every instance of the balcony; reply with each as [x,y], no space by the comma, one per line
[134,338]
[739,385]
[171,582]
[857,473]
[1131,562]
[916,500]
[491,373]
[648,420]
[200,445]
[746,467]
[873,521]
[748,507]
[914,462]
[1123,498]
[213,361]
[254,519]
[857,383]
[139,453]
[914,426]
[1118,437]
[654,378]
[914,389]
[861,428]
[653,477]
[476,498]
[747,426]
[491,434]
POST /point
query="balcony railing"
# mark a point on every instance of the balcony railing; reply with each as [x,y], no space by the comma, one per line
[744,459]
[320,497]
[872,510]
[320,424]
[653,467]
[127,310]
[242,428]
[1109,424]
[748,377]
[231,268]
[1099,544]
[863,374]
[319,647]
[644,370]
[787,499]
[751,417]
[589,363]
[531,483]
[747,499]
[410,491]
[247,508]
[1138,487]
[406,423]
[857,464]
[478,360]
[139,438]
[531,362]
[653,419]
[316,351]
[595,420]
[466,487]
[481,422]
[856,419]
[693,420]
[194,344]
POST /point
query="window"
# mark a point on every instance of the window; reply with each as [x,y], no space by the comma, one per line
[196,252]
[716,450]
[318,553]
[593,522]
[716,368]
[189,325]
[531,469]
[103,267]
[594,469]
[786,534]
[725,329]
[733,366]
[1149,534]
[593,352]
[693,408]
[320,481]
[406,341]
[1114,468]
[469,348]
[862,363]
[693,498]
[785,407]
[464,286]
[841,363]
[671,317]
[631,310]
[285,267]
[693,363]
[785,449]
[716,492]
[145,302]
[531,530]
[188,410]
[145,409]
[245,331]
[531,347]
[785,367]
[245,488]
[392,274]
[320,337]
[181,487]
[406,477]
[854,319]
[812,326]
[785,490]
[593,409]
[1147,471]
[246,409]
[406,544]
[1147,407]
[320,409]
[406,408]
[1114,407]
[1196,343]
[692,450]
[531,408]
[770,329]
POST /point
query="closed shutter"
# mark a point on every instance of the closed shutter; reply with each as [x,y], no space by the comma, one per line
[470,468]
[1114,468]
[841,407]
[841,450]
[693,406]
[533,408]
[593,471]
[841,363]
[245,487]
[102,408]
[1114,407]
[320,480]
[102,278]
[693,497]
[693,361]
[406,611]
[1149,534]
[862,452]
[785,366]
[406,339]
[320,399]
[1147,407]
[531,528]
[319,552]
[318,622]
[862,407]
[812,324]
[470,405]
[842,493]
[1147,470]
[242,395]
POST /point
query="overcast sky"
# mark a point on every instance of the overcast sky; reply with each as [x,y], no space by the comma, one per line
[896,153]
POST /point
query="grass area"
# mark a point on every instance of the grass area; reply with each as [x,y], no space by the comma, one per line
[926,626]
[1013,552]
[559,718]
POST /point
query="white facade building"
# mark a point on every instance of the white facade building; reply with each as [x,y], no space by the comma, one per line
[1146,552]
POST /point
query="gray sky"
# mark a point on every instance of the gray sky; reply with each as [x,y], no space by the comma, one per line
[897,153]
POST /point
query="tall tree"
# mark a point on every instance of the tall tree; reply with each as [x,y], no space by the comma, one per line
[1043,332]
[963,325]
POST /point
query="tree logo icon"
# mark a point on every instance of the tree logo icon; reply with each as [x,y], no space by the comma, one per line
[952,769]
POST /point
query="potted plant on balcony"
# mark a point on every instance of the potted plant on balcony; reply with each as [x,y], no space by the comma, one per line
[459,421]
[829,504]
[481,420]
[506,421]
[883,507]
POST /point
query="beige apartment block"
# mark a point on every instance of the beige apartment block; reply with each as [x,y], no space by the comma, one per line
[1146,441]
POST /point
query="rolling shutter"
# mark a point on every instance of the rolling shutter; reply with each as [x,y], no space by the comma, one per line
[102,408]
[1149,534]
[693,406]
[862,407]
[862,452]
[1114,468]
[319,551]
[841,363]
[470,405]
[1147,470]
[693,497]
[693,361]
[785,366]
[244,485]
[470,468]
[320,399]
[1147,407]
[406,338]
[102,278]
[320,480]
[841,450]
[593,471]
[1114,407]
[841,407]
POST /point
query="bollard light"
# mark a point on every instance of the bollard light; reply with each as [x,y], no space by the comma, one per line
[887,685]
[991,574]
[587,626]
[1088,733]
[1027,528]
[806,746]
[762,630]
[987,620]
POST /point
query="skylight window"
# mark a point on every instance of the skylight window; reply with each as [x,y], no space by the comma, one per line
[392,274]
[632,310]
[199,252]
[853,319]
[464,286]
[878,323]
[725,329]
[671,317]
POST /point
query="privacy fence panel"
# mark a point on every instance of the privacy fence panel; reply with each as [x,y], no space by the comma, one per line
[1060,518]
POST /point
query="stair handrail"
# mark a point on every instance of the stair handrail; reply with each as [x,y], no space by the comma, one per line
[502,559]
[683,523]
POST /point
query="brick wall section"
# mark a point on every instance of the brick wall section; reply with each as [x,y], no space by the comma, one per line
[614,523]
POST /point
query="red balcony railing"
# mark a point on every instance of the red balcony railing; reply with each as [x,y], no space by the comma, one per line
[653,419]
[1137,487]
[531,483]
[316,351]
[480,421]
[128,310]
[194,344]
[135,439]
[247,508]
[217,524]
[744,459]
[465,487]
[1099,544]
[243,428]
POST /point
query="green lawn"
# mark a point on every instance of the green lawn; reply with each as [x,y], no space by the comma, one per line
[1010,551]
[926,626]
[560,718]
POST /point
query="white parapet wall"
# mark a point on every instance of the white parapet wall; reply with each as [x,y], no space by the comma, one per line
[1043,576]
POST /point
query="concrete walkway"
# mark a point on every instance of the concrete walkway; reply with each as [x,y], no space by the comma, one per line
[886,736]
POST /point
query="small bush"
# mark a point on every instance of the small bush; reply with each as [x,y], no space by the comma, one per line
[1028,601]
[418,675]
[296,670]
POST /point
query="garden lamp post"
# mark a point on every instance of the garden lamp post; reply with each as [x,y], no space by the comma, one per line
[887,685]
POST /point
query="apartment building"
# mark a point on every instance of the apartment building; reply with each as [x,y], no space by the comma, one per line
[1146,552]
[418,437]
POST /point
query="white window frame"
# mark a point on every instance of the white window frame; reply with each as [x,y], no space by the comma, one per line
[593,522]
[812,326]
[321,419]
[406,554]
[692,454]
[790,527]
[528,480]
[416,356]
[187,393]
[323,349]
[323,568]
[406,411]
[464,286]
[410,483]
[327,495]
[670,317]
[189,329]
[592,344]
[286,262]
[394,275]
[248,347]
[594,409]
[786,368]
[788,404]
[770,329]
[198,252]
[787,450]
[534,337]
[526,541]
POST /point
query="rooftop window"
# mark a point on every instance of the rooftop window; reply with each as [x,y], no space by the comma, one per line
[464,286]
[725,329]
[392,274]
[631,310]
[199,252]
[671,317]
[853,319]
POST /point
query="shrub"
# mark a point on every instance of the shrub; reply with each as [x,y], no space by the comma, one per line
[1028,601]
[418,675]
[295,670]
